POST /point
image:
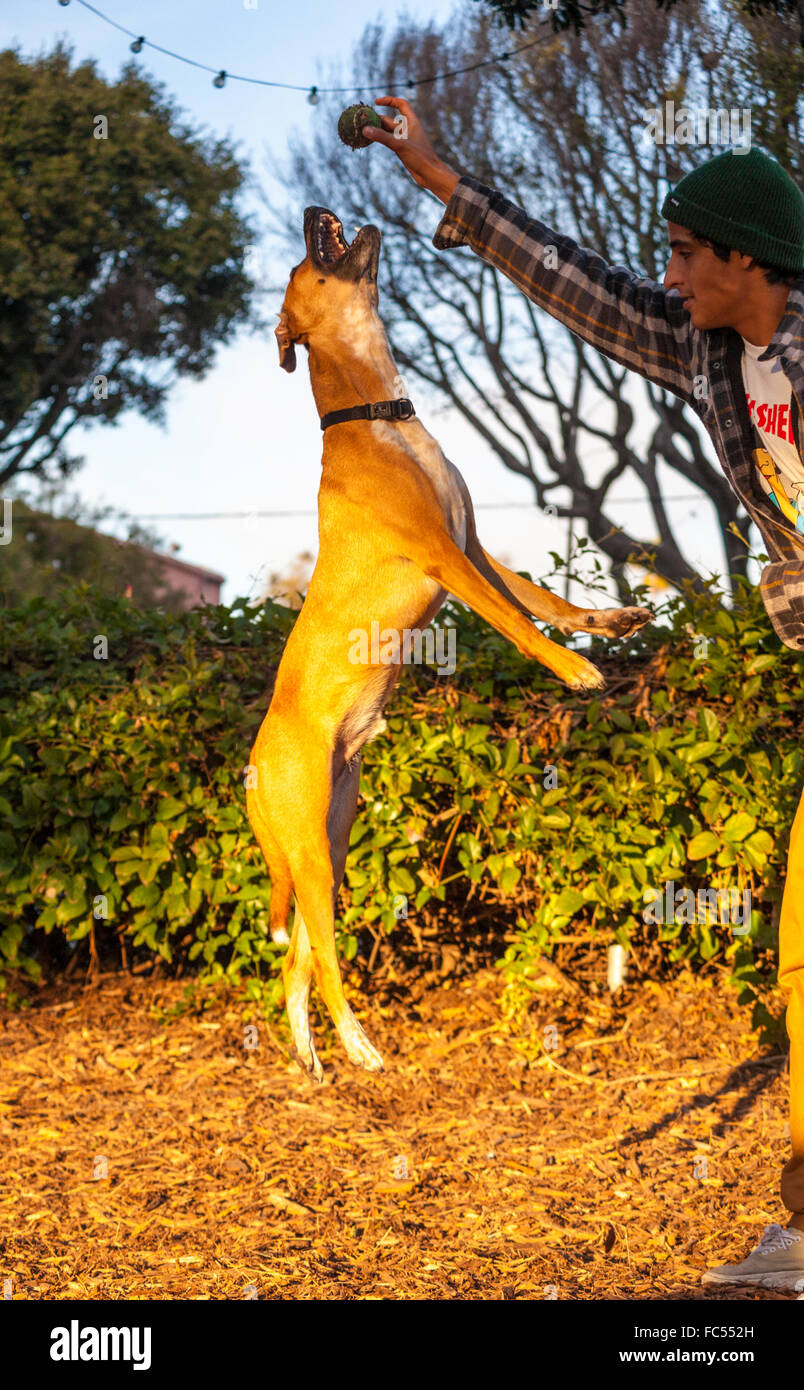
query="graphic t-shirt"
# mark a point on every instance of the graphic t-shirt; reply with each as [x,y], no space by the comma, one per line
[770,404]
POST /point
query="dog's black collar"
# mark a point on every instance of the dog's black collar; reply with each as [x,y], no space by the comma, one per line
[401,409]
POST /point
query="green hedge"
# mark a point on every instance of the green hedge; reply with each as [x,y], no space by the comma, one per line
[122,779]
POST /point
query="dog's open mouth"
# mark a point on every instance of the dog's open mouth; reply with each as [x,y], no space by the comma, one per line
[330,242]
[328,248]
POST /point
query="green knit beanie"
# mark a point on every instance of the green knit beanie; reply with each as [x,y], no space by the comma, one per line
[746,201]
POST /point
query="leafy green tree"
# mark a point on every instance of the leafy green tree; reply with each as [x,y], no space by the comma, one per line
[573,14]
[122,251]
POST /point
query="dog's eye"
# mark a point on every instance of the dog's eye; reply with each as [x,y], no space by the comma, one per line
[322,282]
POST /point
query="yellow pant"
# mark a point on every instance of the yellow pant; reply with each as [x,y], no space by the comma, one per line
[791,977]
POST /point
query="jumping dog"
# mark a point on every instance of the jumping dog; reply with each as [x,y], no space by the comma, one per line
[396,536]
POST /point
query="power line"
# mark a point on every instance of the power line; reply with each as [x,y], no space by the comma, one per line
[313,511]
[222,76]
[478,506]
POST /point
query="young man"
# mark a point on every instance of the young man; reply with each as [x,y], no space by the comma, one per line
[730,315]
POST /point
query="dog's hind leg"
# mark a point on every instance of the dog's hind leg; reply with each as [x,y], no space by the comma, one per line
[297,971]
[278,870]
[281,894]
[317,873]
[297,967]
[339,828]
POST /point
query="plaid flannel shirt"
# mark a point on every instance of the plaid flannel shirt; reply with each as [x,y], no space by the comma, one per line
[639,324]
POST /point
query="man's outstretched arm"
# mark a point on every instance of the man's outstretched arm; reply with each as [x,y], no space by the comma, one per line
[407,137]
[629,318]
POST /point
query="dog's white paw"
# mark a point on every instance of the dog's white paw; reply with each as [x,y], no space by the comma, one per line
[360,1050]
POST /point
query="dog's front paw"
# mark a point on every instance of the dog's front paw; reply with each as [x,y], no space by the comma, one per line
[578,673]
[616,622]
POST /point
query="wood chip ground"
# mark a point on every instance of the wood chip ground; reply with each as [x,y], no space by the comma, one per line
[153,1155]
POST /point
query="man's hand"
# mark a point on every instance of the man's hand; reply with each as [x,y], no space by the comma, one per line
[406,136]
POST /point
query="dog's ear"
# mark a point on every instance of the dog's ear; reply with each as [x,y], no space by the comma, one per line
[285,341]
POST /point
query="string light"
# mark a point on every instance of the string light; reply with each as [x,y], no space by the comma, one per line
[221,76]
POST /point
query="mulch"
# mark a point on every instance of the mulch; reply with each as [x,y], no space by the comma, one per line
[151,1151]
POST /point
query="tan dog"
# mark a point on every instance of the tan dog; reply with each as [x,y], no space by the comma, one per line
[396,535]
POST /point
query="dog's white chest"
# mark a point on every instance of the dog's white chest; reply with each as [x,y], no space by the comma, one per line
[426,453]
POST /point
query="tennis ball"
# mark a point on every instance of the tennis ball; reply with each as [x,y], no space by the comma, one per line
[351,122]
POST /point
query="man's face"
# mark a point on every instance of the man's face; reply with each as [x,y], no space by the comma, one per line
[712,290]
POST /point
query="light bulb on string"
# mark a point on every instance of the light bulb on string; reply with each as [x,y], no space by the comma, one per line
[138,42]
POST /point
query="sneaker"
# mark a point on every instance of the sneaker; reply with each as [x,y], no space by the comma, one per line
[776,1263]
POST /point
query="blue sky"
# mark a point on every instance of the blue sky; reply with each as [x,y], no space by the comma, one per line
[246,437]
